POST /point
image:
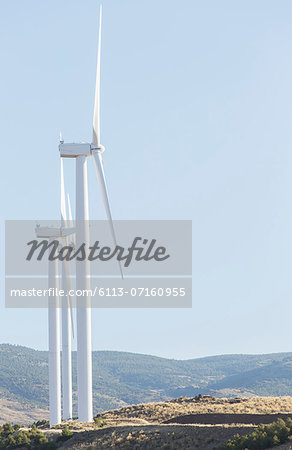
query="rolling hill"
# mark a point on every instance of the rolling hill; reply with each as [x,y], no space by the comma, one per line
[121,379]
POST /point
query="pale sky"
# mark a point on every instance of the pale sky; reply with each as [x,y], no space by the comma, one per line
[197,124]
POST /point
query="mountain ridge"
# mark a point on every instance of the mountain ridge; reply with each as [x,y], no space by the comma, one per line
[125,378]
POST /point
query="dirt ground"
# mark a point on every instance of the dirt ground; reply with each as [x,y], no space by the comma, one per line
[220,419]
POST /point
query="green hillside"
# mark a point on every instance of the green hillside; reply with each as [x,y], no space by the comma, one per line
[121,378]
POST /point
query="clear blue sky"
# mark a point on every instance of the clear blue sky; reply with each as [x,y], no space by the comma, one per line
[197,124]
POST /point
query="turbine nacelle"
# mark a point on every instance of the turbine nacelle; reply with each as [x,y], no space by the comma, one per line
[72,150]
[53,232]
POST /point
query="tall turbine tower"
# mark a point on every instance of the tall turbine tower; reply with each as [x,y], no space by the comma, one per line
[67,325]
[54,346]
[54,233]
[82,151]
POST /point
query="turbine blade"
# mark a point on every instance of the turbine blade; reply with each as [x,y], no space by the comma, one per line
[69,210]
[102,184]
[96,113]
[71,224]
[63,202]
[68,282]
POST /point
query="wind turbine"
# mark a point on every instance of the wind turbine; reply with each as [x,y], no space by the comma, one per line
[59,233]
[82,151]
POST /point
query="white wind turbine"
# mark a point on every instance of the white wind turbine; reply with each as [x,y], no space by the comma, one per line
[81,151]
[61,234]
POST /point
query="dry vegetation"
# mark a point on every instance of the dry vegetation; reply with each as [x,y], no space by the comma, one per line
[141,426]
[20,412]
[162,411]
[155,437]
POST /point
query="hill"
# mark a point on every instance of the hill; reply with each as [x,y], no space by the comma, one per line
[203,422]
[121,379]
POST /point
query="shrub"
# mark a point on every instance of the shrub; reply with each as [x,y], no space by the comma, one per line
[99,422]
[33,438]
[263,437]
[66,434]
[7,429]
[22,439]
[41,423]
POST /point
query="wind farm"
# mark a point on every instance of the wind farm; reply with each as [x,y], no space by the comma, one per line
[81,152]
[146,178]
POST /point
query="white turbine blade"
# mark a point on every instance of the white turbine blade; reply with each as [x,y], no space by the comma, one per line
[96,113]
[63,201]
[102,184]
[69,211]
[71,224]
[68,282]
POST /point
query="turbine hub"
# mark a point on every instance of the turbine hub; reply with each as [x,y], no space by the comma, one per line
[100,149]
